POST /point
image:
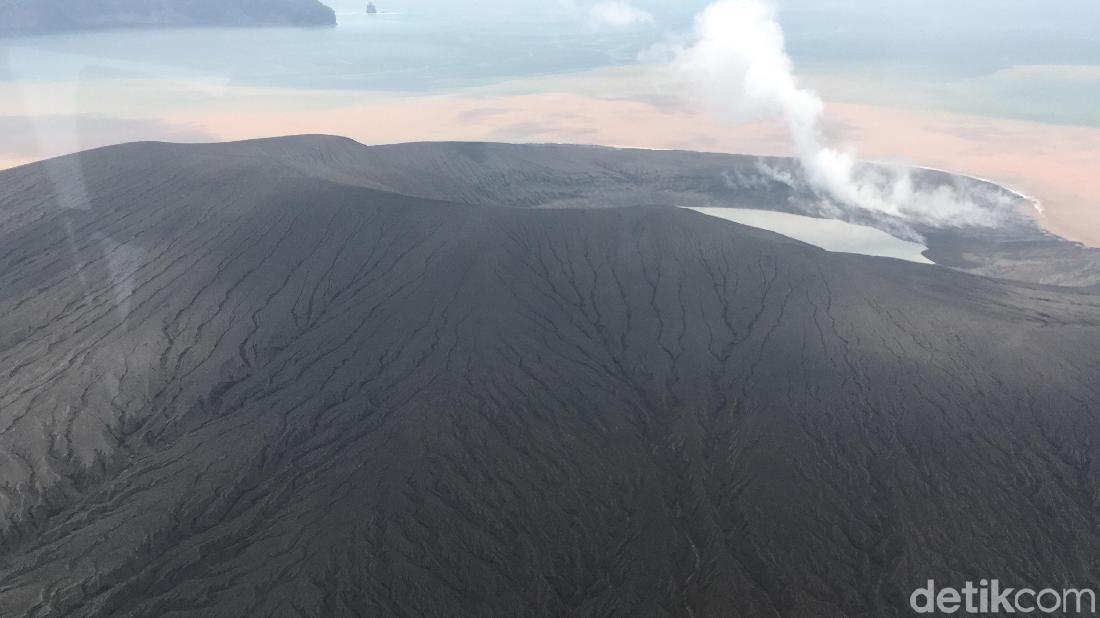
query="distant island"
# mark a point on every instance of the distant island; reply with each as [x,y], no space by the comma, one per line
[371,9]
[46,16]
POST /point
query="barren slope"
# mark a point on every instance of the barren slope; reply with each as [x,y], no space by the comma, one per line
[567,176]
[234,387]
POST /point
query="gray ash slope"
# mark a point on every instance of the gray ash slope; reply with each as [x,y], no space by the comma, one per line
[565,176]
[248,379]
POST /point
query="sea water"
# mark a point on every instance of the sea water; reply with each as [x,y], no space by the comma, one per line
[1031,59]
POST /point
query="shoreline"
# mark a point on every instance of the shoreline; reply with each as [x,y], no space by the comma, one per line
[1035,202]
[1036,212]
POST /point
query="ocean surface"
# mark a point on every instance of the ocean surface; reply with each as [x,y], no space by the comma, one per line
[404,50]
[1024,59]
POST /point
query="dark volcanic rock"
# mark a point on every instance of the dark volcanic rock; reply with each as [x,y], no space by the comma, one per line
[235,385]
[43,16]
[564,176]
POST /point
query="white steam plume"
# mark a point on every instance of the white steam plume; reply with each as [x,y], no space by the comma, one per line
[738,59]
